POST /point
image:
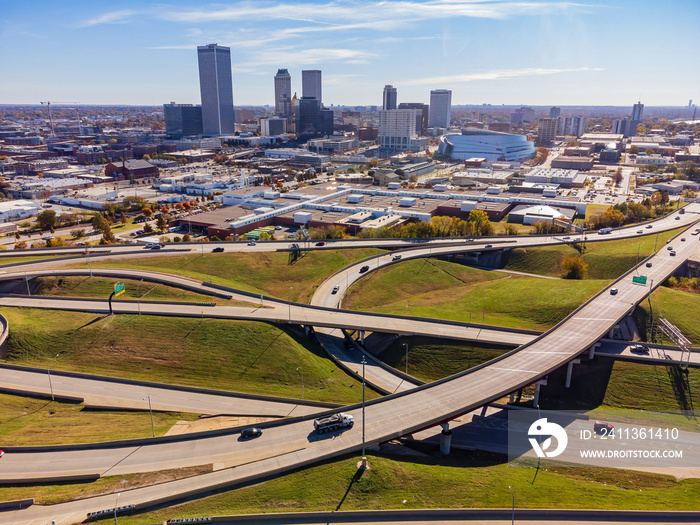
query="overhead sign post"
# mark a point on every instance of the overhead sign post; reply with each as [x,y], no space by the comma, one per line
[119,288]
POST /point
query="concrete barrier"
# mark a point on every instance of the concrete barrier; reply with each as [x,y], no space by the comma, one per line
[18,504]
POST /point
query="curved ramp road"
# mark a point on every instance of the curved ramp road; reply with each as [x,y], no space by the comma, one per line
[108,392]
[293,444]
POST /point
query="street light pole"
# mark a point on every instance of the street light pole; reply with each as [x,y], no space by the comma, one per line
[364,457]
[115,507]
[138,295]
[301,369]
[50,384]
[483,312]
[406,347]
[512,511]
[153,429]
[289,304]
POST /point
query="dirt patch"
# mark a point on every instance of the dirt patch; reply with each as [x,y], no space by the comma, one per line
[214,423]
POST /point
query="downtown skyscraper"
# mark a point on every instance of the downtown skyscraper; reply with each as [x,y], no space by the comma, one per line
[389,97]
[216,88]
[283,93]
[440,108]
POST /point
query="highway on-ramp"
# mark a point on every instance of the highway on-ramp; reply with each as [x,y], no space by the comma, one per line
[287,445]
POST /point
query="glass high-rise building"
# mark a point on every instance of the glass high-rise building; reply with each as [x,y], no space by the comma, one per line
[216,88]
[389,99]
[182,120]
[311,84]
[440,108]
[283,93]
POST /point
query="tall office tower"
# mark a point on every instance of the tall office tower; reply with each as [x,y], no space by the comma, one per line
[546,130]
[637,111]
[422,118]
[283,93]
[311,84]
[314,120]
[389,101]
[216,87]
[690,103]
[182,120]
[554,112]
[623,126]
[397,127]
[572,125]
[440,108]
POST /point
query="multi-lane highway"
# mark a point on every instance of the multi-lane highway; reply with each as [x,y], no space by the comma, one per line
[291,444]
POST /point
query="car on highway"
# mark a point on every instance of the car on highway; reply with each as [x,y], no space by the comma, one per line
[669,248]
[682,239]
[640,231]
[639,349]
[148,246]
[218,249]
[649,264]
[613,291]
[320,243]
[489,246]
[156,247]
[601,427]
[335,289]
[250,433]
[673,253]
[252,243]
[48,237]
[678,217]
[364,269]
[1,453]
[648,226]
[396,257]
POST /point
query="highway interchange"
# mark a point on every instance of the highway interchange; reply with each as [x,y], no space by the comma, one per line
[290,443]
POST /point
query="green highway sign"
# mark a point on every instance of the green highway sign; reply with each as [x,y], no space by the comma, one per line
[639,279]
[119,289]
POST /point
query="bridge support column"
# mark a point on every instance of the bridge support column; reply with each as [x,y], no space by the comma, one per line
[445,439]
[306,331]
[362,337]
[536,401]
[483,410]
[591,350]
[569,371]
[512,398]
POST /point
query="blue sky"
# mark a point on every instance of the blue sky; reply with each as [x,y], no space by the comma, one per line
[537,52]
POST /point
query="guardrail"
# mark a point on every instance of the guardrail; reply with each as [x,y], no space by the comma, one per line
[92,516]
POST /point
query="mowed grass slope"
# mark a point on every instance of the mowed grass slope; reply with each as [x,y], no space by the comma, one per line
[605,259]
[26,421]
[432,359]
[680,307]
[463,480]
[442,290]
[238,356]
[260,272]
[102,288]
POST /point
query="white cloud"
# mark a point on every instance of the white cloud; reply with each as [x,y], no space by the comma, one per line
[385,14]
[494,75]
[115,17]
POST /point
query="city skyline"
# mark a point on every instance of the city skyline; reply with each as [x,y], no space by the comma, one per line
[495,52]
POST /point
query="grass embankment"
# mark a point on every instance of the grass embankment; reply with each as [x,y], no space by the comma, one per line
[427,482]
[605,260]
[5,261]
[26,421]
[240,356]
[442,290]
[680,307]
[432,359]
[103,287]
[266,273]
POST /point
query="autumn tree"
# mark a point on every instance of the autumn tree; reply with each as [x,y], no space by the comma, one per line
[161,223]
[574,268]
[47,219]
